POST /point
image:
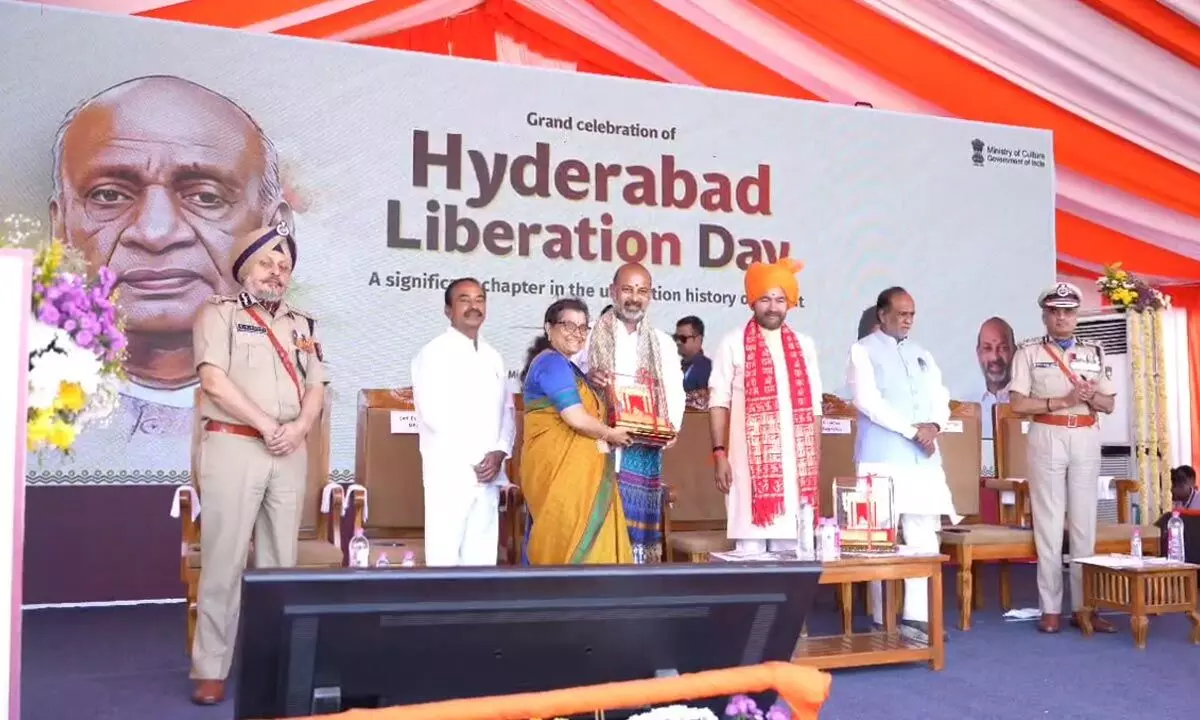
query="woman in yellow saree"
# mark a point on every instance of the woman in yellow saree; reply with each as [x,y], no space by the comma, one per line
[567,473]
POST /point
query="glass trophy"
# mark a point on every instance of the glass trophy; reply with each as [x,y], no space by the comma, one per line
[865,508]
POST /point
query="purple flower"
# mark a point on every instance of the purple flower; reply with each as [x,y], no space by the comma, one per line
[779,711]
[49,314]
[85,339]
[741,706]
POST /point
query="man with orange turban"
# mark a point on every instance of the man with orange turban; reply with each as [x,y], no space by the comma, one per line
[765,396]
[263,380]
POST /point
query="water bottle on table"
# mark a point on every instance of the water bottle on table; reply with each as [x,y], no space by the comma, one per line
[805,539]
[360,550]
[1135,543]
[1175,537]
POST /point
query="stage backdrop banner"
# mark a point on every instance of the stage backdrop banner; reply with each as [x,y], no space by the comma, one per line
[150,146]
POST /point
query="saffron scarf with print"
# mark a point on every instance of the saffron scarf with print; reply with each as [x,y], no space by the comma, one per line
[763,447]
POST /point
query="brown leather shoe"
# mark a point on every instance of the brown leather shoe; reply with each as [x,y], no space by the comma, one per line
[1049,624]
[208,692]
[1099,624]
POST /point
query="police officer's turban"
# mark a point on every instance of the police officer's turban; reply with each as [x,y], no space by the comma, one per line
[763,277]
[253,245]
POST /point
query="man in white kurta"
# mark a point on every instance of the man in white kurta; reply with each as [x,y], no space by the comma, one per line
[728,416]
[624,349]
[466,426]
[902,406]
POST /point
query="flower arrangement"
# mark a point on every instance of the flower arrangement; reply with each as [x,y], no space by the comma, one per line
[1126,291]
[743,707]
[740,707]
[76,340]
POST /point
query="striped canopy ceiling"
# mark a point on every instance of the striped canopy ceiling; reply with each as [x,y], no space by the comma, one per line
[1118,81]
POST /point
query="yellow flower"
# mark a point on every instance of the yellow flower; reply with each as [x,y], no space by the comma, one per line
[71,397]
[62,435]
[37,430]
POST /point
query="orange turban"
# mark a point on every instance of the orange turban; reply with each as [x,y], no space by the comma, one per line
[763,277]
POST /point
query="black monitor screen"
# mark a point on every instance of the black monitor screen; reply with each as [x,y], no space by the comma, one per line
[335,640]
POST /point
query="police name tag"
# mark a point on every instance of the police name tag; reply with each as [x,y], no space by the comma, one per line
[953,426]
[404,422]
[835,426]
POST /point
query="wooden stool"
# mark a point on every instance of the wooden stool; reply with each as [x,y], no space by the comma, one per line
[1141,591]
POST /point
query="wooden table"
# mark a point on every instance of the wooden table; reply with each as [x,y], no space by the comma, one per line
[890,646]
[1141,591]
[969,546]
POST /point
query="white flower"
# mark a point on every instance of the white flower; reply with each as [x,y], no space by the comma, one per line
[676,712]
[56,359]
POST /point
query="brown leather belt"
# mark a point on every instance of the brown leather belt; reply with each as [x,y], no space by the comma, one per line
[1067,421]
[232,429]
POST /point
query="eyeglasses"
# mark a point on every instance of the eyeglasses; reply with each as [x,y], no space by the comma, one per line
[572,329]
[684,338]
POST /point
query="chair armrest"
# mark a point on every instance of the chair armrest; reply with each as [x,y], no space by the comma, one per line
[512,526]
[511,498]
[185,506]
[1126,489]
[333,503]
[356,498]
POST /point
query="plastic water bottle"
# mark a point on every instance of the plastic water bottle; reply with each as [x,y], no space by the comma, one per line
[383,561]
[1175,537]
[830,541]
[410,560]
[1135,543]
[805,529]
[360,550]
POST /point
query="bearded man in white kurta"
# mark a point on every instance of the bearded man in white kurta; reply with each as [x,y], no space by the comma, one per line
[624,349]
[902,406]
[465,421]
[765,393]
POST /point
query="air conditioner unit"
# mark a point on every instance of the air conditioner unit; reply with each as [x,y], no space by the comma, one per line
[1116,429]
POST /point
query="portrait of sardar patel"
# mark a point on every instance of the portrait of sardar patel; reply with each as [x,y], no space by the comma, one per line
[155,177]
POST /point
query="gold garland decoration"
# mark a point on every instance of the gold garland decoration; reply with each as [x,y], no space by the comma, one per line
[1134,322]
[1164,433]
[1153,459]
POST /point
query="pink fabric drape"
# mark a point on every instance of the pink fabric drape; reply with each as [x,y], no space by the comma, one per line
[511,51]
[1189,9]
[308,14]
[121,7]
[425,12]
[825,73]
[1071,55]
[582,19]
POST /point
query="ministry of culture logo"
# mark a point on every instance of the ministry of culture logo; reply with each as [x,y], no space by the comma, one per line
[977,152]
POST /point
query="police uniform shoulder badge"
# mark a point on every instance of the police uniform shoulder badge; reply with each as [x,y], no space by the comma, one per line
[1030,342]
[221,299]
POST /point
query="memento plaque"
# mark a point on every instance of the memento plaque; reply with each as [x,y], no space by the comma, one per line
[865,513]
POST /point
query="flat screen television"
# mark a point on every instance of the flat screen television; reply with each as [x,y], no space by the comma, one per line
[316,641]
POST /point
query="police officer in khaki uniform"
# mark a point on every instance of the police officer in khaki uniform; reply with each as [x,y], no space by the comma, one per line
[1062,383]
[261,370]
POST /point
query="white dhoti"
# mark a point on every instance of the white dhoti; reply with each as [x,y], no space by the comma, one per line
[922,497]
[462,523]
